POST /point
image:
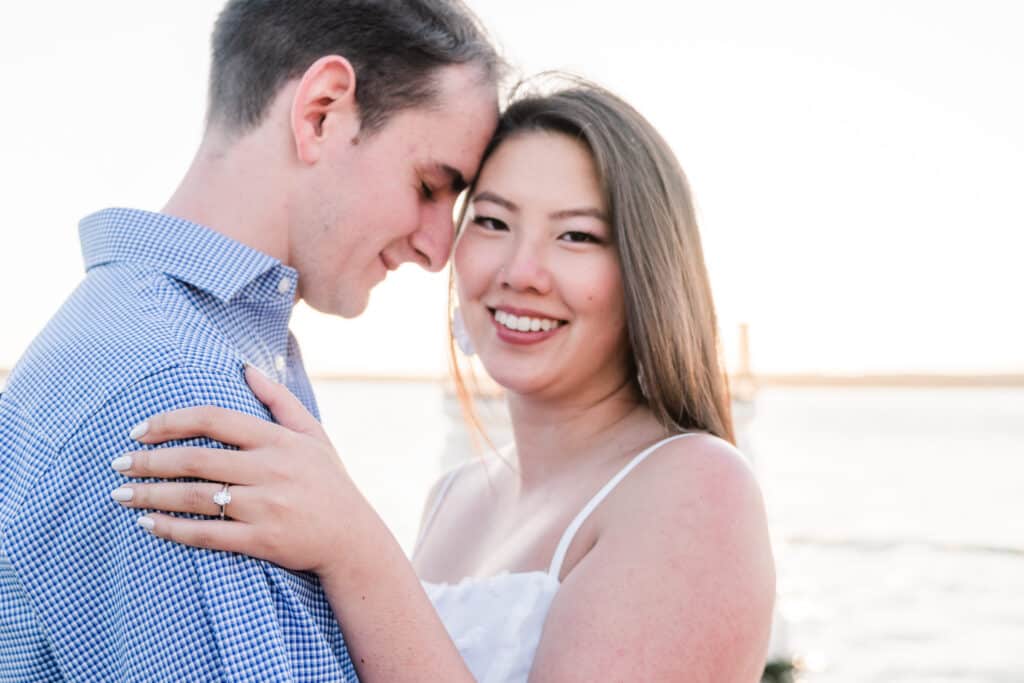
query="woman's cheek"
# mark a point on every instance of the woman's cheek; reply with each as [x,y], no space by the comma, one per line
[459,259]
[474,264]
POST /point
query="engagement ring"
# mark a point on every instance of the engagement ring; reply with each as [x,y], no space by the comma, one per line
[222,498]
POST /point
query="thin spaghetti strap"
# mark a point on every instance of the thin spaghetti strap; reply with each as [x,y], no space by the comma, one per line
[428,521]
[446,484]
[555,569]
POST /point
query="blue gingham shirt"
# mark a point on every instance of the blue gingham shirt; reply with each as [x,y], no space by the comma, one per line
[167,315]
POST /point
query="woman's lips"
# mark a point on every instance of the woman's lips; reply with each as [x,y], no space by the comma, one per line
[524,329]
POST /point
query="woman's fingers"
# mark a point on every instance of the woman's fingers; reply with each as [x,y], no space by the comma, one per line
[287,410]
[193,497]
[220,424]
[235,537]
[211,464]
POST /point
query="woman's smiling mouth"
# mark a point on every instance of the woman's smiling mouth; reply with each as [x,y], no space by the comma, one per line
[524,327]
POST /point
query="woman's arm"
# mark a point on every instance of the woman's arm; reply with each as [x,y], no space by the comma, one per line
[680,583]
[302,512]
[393,630]
[678,586]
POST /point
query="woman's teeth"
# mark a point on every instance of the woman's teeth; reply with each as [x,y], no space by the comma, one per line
[524,323]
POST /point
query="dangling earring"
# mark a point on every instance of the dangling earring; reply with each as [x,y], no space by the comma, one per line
[640,381]
[460,333]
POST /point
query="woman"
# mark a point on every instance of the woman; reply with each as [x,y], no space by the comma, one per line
[622,537]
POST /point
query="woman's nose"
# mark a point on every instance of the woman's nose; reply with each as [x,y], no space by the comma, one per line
[525,269]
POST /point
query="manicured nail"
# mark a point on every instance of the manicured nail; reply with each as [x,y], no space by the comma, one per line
[146,523]
[122,494]
[260,371]
[122,463]
[139,430]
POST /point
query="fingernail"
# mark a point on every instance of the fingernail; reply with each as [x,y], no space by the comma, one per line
[257,369]
[122,494]
[139,430]
[146,523]
[122,463]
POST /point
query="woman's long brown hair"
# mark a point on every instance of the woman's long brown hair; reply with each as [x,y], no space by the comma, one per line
[672,327]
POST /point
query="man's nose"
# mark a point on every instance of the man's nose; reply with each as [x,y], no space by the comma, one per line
[432,242]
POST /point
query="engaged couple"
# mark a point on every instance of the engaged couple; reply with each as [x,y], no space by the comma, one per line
[171,508]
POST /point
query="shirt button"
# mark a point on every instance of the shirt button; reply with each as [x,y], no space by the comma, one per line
[284,285]
[279,363]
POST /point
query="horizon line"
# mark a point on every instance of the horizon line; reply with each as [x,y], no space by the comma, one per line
[754,380]
[765,380]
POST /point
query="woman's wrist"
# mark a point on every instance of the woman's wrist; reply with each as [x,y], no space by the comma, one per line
[363,549]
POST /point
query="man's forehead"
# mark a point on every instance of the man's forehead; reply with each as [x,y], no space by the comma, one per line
[460,127]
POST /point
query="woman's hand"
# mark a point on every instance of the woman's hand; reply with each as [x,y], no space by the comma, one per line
[292,502]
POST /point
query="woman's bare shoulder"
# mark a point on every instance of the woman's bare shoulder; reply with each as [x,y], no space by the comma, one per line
[683,543]
[463,485]
[693,494]
[698,468]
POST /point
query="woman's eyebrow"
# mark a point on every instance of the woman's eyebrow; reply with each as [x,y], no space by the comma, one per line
[486,196]
[588,212]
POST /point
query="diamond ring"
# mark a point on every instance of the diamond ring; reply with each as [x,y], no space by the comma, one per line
[222,498]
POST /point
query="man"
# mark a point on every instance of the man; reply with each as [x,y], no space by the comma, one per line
[339,133]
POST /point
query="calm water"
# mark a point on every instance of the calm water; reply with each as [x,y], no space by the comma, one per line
[897,514]
[901,529]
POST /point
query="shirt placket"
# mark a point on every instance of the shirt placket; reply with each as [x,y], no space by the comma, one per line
[267,310]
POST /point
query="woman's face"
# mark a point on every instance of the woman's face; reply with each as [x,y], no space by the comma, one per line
[538,277]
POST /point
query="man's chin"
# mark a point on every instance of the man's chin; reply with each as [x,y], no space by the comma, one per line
[343,307]
[351,307]
[351,313]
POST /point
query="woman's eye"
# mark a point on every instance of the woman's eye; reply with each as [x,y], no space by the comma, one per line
[580,236]
[489,223]
[427,192]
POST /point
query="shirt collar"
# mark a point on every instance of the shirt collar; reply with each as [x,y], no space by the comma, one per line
[184,250]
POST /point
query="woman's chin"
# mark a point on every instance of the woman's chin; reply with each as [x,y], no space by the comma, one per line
[517,380]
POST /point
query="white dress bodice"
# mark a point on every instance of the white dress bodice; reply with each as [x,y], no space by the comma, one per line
[496,621]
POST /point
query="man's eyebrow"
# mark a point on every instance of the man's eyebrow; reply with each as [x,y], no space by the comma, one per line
[455,177]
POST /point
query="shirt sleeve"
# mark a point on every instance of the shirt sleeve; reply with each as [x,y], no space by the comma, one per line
[119,604]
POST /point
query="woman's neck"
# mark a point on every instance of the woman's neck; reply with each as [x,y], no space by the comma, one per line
[555,436]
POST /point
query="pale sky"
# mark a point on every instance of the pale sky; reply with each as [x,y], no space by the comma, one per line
[857,165]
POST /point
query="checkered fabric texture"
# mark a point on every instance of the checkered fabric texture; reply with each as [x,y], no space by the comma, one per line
[165,318]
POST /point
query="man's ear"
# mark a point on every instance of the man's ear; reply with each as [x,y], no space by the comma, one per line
[324,106]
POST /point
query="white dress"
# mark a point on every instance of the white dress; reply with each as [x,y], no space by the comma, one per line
[496,621]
